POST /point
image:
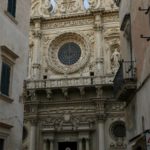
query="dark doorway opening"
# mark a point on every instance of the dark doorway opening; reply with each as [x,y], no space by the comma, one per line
[67,146]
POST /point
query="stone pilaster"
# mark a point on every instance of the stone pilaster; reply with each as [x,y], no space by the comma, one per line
[36,51]
[99,42]
[45,144]
[80,144]
[87,144]
[32,145]
[101,135]
[51,145]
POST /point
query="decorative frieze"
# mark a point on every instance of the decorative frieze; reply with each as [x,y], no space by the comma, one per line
[67,23]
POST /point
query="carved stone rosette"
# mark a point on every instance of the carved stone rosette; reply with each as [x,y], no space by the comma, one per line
[53,61]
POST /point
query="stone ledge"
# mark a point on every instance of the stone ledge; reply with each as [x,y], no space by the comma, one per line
[6,126]
[6,98]
[11,17]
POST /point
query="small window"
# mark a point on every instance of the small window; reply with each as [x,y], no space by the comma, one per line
[5,78]
[1,144]
[11,7]
[118,129]
[8,60]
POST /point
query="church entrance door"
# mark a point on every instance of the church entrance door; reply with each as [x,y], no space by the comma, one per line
[67,146]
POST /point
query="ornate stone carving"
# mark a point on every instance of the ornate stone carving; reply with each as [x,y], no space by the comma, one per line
[108,5]
[31,94]
[115,58]
[67,23]
[30,59]
[46,7]
[82,91]
[49,93]
[119,145]
[94,4]
[41,8]
[99,91]
[65,92]
[37,34]
[53,60]
[68,121]
[72,111]
[68,7]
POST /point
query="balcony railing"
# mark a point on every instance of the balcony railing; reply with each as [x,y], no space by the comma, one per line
[125,80]
[68,82]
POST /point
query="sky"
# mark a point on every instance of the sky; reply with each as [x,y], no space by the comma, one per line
[85,3]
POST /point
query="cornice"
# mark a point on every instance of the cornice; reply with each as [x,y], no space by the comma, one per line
[88,14]
[6,126]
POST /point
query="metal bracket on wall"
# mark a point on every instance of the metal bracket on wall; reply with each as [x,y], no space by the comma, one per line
[145,37]
[146,10]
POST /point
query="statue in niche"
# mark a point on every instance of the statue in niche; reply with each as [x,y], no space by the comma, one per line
[115,58]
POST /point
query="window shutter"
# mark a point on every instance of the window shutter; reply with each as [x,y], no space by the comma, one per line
[12,7]
[9,6]
[5,79]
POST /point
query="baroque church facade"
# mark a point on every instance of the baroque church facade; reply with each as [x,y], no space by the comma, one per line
[68,96]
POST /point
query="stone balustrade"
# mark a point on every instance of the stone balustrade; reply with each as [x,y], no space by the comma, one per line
[68,82]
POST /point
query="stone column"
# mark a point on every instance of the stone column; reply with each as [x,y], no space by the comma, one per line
[87,144]
[45,144]
[101,135]
[51,145]
[80,144]
[99,44]
[32,145]
[36,51]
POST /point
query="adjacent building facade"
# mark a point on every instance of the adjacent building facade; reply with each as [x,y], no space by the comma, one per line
[132,81]
[74,54]
[14,25]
